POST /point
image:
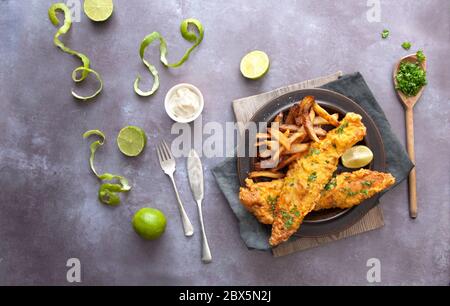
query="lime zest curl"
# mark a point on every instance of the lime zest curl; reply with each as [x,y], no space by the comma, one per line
[154,72]
[108,192]
[85,68]
[190,36]
[97,75]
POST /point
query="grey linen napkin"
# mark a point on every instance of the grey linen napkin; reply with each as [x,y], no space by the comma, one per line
[256,235]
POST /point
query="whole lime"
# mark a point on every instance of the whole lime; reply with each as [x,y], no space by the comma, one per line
[149,223]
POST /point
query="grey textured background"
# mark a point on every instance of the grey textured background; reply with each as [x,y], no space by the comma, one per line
[48,206]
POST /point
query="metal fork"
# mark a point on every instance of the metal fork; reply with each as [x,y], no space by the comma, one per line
[167,162]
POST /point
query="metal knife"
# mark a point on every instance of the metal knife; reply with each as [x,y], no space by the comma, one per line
[195,173]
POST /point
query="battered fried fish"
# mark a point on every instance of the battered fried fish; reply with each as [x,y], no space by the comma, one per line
[343,191]
[305,180]
[351,188]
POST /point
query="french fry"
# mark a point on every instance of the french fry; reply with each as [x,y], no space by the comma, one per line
[290,127]
[298,136]
[276,154]
[268,174]
[265,153]
[325,115]
[312,115]
[321,121]
[297,148]
[279,118]
[319,131]
[293,113]
[262,136]
[268,143]
[277,135]
[305,107]
[288,161]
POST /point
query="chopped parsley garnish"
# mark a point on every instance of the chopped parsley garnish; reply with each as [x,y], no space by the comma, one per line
[331,184]
[313,151]
[340,129]
[272,202]
[312,177]
[350,192]
[420,56]
[367,183]
[295,212]
[385,34]
[406,45]
[365,192]
[410,78]
[288,223]
[288,219]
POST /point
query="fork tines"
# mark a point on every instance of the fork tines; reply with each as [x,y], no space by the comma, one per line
[163,151]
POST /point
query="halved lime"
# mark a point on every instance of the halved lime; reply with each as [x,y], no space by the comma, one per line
[131,140]
[357,157]
[255,64]
[149,223]
[98,10]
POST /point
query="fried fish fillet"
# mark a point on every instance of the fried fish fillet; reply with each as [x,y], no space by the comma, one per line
[351,188]
[307,177]
[261,198]
[343,191]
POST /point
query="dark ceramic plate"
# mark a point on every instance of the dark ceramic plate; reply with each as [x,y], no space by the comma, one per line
[328,221]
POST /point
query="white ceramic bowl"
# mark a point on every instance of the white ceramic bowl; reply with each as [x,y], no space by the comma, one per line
[172,91]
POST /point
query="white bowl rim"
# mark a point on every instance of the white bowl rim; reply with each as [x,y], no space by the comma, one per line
[169,94]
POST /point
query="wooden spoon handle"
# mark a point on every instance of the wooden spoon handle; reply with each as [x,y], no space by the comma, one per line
[412,174]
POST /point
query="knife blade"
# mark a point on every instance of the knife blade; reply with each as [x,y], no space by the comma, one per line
[195,174]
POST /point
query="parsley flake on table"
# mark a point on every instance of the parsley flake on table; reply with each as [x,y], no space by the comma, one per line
[385,34]
[406,45]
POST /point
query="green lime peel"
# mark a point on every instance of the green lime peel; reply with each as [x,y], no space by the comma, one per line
[85,68]
[108,192]
[190,36]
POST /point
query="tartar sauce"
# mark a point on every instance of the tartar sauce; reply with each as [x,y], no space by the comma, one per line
[184,103]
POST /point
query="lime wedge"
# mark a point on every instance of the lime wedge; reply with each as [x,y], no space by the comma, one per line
[98,10]
[357,157]
[131,140]
[255,65]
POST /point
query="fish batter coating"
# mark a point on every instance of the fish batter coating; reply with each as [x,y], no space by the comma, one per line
[308,176]
[261,198]
[351,188]
[346,190]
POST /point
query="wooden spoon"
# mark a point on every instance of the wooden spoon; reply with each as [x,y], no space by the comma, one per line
[408,103]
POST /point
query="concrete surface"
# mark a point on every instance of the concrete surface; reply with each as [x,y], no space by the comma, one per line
[48,206]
